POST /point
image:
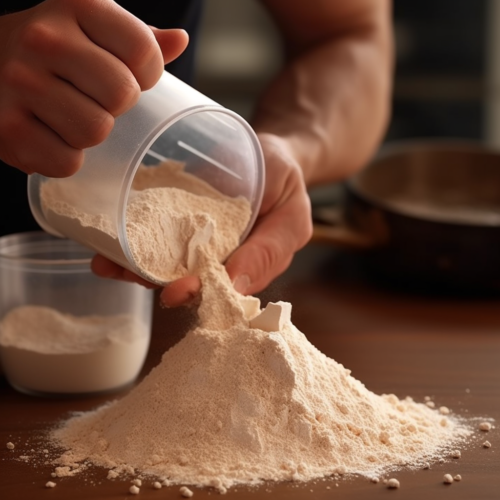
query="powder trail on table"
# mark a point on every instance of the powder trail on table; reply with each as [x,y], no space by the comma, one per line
[233,404]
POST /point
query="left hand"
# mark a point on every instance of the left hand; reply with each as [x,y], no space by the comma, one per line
[283,226]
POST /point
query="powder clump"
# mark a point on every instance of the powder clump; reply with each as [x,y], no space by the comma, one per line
[245,397]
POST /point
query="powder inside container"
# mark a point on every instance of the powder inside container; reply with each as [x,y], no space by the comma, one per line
[169,213]
[233,404]
[44,350]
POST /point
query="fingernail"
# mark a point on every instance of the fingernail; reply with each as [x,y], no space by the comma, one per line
[242,283]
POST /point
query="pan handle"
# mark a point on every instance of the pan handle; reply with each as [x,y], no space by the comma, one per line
[331,228]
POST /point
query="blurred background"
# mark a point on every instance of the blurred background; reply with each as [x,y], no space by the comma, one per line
[447,80]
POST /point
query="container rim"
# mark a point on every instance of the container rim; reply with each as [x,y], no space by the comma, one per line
[41,239]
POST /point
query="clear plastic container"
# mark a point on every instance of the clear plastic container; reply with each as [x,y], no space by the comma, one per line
[42,278]
[170,121]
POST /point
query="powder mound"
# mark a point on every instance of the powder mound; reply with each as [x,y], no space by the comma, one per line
[244,397]
[47,331]
[244,405]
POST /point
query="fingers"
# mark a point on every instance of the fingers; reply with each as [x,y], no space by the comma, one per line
[105,268]
[122,34]
[269,249]
[172,42]
[75,117]
[18,128]
[67,69]
[181,292]
[283,227]
[178,293]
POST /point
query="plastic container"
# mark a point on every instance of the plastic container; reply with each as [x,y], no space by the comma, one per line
[170,121]
[52,276]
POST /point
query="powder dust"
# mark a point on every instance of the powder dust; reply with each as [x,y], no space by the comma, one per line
[233,404]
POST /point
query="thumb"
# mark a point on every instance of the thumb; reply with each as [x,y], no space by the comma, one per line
[172,42]
[260,259]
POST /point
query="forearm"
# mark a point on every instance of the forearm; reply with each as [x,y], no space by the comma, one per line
[331,102]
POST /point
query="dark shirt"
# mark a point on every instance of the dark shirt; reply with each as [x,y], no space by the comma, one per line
[15,215]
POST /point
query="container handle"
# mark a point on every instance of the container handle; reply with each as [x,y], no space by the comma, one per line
[331,228]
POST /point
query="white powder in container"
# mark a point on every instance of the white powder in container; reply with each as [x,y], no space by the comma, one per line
[46,351]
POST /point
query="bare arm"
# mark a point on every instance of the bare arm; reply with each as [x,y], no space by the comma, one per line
[331,102]
[318,121]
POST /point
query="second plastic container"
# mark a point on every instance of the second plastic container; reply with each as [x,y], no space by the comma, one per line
[63,330]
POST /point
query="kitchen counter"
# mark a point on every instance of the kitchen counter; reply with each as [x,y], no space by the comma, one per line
[393,340]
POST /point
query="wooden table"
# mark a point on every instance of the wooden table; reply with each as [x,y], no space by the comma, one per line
[392,340]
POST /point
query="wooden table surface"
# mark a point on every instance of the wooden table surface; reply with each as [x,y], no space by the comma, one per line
[393,341]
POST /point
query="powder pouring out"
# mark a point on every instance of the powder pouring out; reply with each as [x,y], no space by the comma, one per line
[245,397]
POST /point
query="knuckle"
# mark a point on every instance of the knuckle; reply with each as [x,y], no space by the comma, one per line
[96,131]
[64,164]
[124,97]
[146,60]
[18,78]
[41,38]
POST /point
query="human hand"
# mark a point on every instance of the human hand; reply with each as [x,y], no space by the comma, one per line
[283,226]
[67,69]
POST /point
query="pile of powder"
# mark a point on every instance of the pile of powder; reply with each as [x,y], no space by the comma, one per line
[232,403]
[169,213]
[47,331]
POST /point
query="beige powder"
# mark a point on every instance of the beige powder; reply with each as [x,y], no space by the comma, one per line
[232,404]
[164,202]
[47,331]
[45,350]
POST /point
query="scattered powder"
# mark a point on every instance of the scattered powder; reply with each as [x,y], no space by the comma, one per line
[447,479]
[112,474]
[485,426]
[10,446]
[186,492]
[486,444]
[393,483]
[234,404]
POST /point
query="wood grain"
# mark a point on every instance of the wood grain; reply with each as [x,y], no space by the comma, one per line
[393,341]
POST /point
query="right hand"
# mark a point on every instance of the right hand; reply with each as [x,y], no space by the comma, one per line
[68,68]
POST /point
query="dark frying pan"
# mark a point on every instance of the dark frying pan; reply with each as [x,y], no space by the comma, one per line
[426,213]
